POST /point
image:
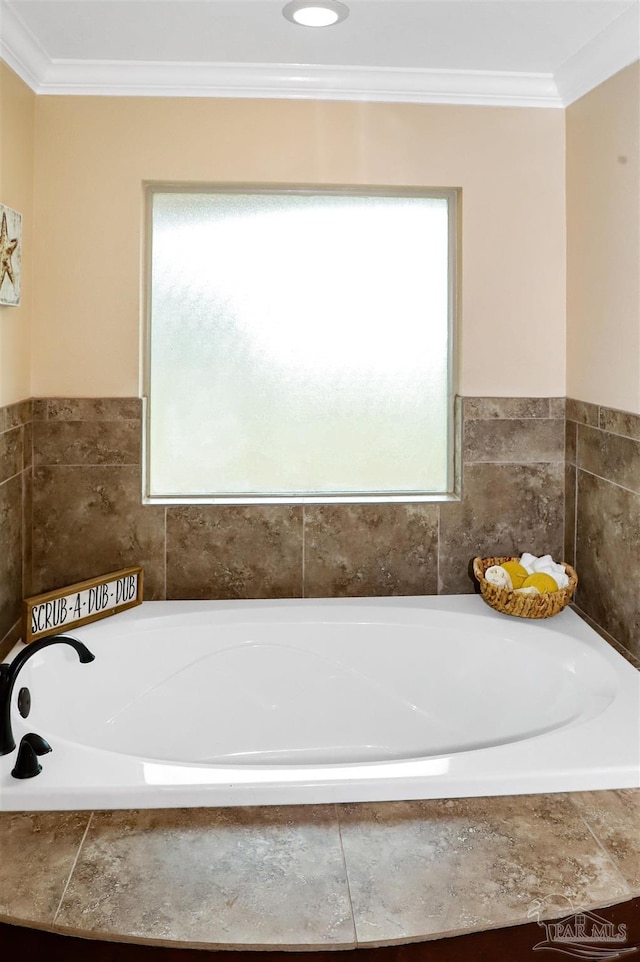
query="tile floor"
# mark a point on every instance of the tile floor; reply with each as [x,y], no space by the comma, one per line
[323,876]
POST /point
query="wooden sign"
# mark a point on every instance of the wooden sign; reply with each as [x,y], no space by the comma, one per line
[62,610]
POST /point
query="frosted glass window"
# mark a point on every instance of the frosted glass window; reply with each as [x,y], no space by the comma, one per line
[299,345]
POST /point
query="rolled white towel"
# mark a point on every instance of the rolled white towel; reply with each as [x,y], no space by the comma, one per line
[542,563]
[496,575]
[558,574]
[547,565]
[527,560]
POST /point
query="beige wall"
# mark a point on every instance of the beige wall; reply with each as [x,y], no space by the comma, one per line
[603,244]
[93,154]
[17,106]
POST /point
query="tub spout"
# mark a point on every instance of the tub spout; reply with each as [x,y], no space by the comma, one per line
[9,673]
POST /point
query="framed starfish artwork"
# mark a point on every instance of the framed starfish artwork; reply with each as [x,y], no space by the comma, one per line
[10,255]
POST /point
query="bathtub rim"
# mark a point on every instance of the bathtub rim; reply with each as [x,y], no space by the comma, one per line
[475,773]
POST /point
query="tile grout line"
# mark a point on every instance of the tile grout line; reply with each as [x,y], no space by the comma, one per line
[613,434]
[303,560]
[25,532]
[438,554]
[12,477]
[88,464]
[73,868]
[564,505]
[561,460]
[166,510]
[616,484]
[490,420]
[604,430]
[32,481]
[575,507]
[611,858]
[575,511]
[85,421]
[346,875]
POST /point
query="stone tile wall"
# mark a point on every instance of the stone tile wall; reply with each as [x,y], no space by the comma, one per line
[513,464]
[518,465]
[87,512]
[602,536]
[15,518]
[88,516]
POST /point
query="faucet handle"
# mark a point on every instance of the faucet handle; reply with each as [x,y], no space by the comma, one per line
[27,764]
[39,744]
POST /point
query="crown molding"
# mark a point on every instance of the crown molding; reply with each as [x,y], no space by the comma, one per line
[298,82]
[611,51]
[615,48]
[20,49]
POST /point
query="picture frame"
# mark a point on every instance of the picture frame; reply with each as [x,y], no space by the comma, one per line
[10,256]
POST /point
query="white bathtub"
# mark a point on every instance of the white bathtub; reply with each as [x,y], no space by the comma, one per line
[285,702]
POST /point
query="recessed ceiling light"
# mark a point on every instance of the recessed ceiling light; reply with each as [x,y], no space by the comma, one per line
[322,13]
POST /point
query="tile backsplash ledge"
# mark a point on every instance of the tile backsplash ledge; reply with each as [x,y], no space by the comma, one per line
[538,474]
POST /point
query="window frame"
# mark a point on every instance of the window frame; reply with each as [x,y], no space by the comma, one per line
[454,420]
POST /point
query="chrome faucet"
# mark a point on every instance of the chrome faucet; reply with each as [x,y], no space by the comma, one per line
[9,672]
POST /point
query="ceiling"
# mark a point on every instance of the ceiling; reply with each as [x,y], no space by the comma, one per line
[542,53]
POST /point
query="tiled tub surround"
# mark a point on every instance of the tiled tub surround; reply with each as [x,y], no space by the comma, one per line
[88,517]
[15,518]
[319,876]
[603,517]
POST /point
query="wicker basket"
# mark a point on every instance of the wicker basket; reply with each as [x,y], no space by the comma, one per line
[520,605]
